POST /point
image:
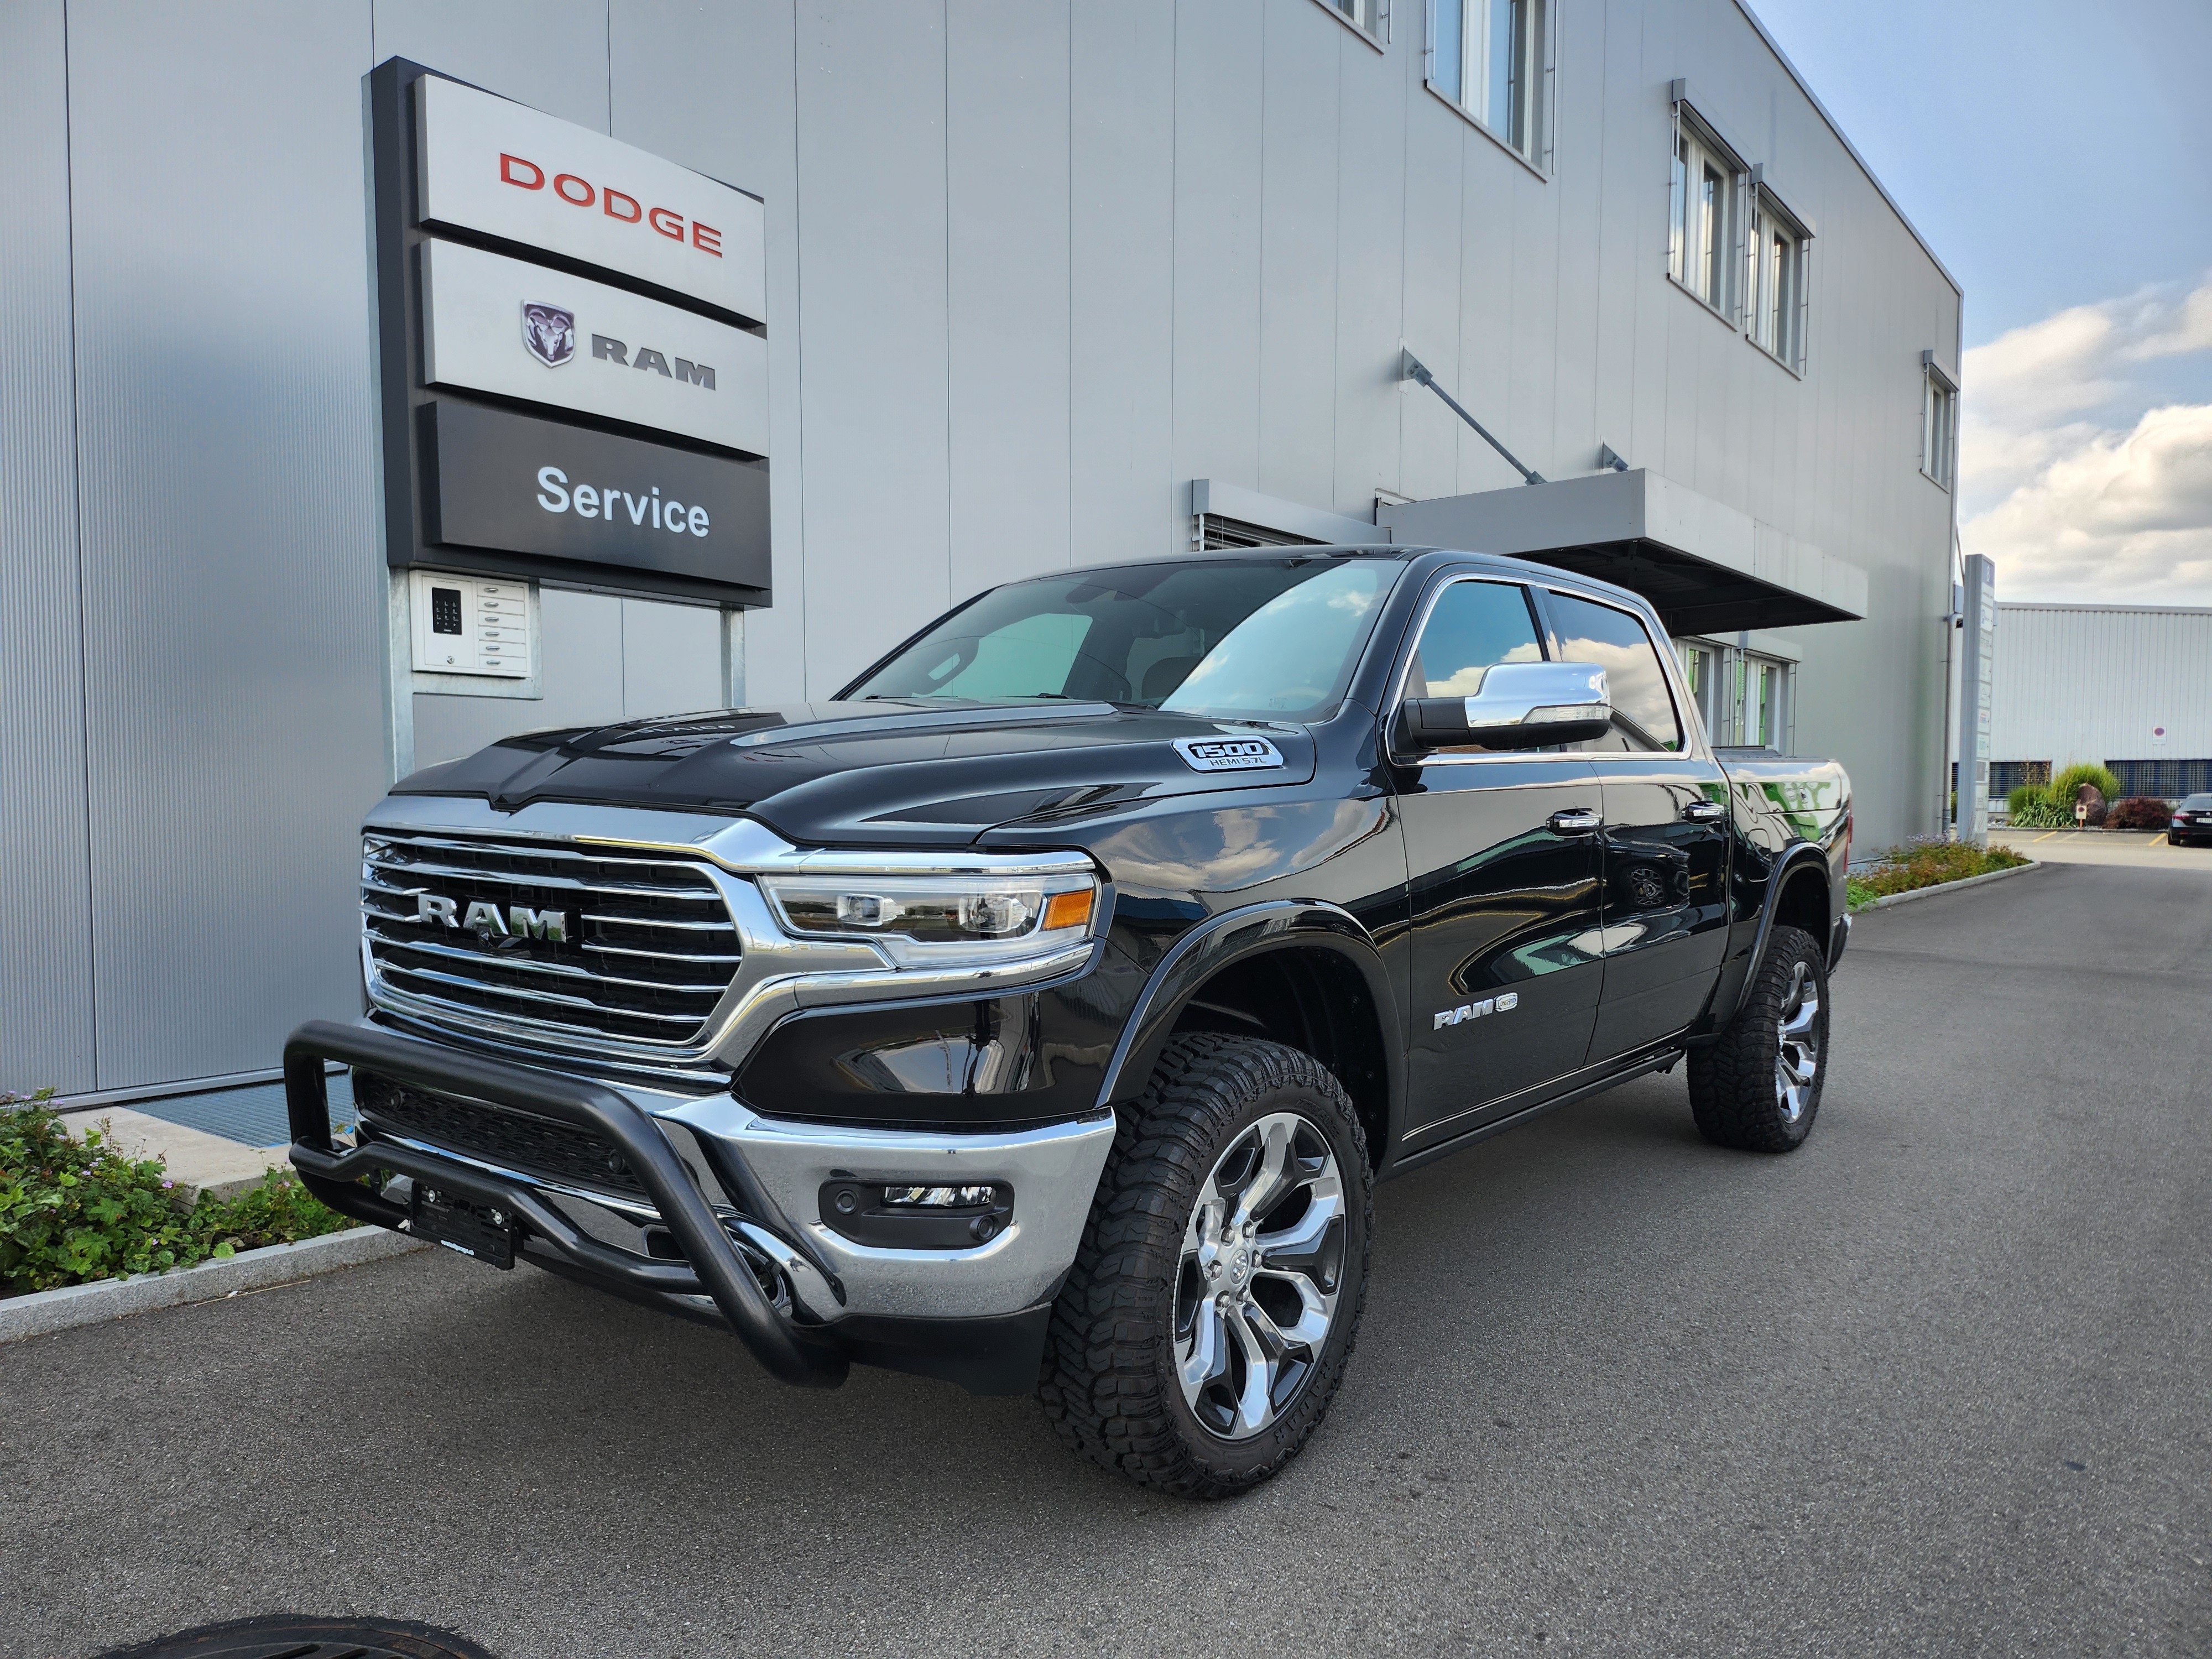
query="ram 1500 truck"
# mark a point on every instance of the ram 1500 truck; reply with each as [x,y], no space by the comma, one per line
[1041,1012]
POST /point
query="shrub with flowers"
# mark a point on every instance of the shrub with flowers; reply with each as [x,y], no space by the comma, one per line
[1928,863]
[74,1210]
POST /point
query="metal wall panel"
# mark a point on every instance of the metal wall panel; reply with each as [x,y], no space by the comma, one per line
[1123,488]
[1436,165]
[1487,317]
[2091,682]
[1371,263]
[672,659]
[873,299]
[1008,220]
[549,54]
[235,645]
[1220,180]
[737,125]
[45,880]
[1296,390]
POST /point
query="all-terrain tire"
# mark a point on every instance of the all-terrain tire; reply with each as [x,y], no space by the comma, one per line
[1738,1090]
[1109,1380]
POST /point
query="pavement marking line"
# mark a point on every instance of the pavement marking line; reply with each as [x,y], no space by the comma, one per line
[2046,837]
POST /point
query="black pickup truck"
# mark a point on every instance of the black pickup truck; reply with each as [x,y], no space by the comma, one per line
[1041,1012]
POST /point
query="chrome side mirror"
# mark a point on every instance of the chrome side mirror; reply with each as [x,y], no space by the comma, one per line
[1517,705]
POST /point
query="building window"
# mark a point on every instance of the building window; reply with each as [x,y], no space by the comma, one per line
[1765,692]
[1365,16]
[1702,240]
[1939,421]
[1491,58]
[1701,668]
[1774,286]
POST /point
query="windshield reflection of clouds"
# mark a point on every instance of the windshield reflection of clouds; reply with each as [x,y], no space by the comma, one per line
[1288,653]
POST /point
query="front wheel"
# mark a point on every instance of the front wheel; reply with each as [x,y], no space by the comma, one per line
[1757,1087]
[1218,1289]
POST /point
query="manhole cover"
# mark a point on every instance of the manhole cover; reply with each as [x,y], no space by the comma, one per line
[291,1636]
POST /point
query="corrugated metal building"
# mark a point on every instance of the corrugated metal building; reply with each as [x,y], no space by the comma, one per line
[1047,284]
[2129,685]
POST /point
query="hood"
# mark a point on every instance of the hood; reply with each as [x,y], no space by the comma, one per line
[881,772]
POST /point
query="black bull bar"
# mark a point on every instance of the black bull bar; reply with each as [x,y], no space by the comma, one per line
[713,1264]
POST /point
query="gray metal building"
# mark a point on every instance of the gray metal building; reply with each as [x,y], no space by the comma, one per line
[1048,283]
[2127,686]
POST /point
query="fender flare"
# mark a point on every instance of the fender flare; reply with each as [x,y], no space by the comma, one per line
[1793,856]
[1238,935]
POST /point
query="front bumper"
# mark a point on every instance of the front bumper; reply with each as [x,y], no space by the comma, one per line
[739,1196]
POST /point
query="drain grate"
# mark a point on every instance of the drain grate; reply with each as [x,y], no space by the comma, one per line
[293,1636]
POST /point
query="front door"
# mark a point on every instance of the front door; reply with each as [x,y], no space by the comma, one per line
[1504,853]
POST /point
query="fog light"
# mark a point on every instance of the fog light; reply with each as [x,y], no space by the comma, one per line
[941,1198]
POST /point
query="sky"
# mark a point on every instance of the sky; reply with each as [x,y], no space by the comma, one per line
[2058,159]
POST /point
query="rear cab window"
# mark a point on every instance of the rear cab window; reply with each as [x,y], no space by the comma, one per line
[1644,713]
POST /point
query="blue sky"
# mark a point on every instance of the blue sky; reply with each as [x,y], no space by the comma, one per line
[2058,158]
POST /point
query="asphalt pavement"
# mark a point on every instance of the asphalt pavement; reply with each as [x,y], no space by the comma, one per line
[1937,1383]
[2139,849]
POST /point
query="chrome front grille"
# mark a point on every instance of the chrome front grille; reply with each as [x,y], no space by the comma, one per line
[570,944]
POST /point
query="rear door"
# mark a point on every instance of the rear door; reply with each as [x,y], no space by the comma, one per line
[1664,913]
[1505,860]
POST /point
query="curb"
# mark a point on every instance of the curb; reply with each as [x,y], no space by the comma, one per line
[42,1311]
[1948,887]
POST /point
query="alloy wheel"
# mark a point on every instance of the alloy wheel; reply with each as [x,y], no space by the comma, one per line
[1797,1048]
[1262,1265]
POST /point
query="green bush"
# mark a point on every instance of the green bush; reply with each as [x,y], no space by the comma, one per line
[2068,783]
[2033,807]
[72,1211]
[1928,864]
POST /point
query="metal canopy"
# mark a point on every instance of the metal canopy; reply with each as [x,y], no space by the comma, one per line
[1706,567]
[1691,595]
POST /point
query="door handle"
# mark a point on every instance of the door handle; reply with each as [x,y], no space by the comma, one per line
[1705,812]
[1576,821]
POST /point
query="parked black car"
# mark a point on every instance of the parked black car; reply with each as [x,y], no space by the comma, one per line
[2191,824]
[1041,1011]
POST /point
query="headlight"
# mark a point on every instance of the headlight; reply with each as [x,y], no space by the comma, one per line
[921,920]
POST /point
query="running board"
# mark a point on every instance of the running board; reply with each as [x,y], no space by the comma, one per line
[1664,1061]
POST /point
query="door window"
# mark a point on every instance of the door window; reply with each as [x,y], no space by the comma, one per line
[1475,625]
[1643,708]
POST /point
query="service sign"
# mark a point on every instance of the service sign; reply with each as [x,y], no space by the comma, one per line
[503,481]
[489,165]
[493,323]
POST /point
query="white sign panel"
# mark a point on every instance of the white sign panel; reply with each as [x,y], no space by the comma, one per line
[521,330]
[491,165]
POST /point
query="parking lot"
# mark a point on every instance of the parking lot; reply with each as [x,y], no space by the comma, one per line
[1936,1384]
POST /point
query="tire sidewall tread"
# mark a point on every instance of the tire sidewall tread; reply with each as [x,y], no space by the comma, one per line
[1732,1079]
[1108,1379]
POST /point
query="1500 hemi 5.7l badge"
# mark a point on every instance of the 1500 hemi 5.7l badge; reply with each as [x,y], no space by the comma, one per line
[1228,754]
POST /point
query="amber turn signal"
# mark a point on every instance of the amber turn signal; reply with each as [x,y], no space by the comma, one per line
[1068,909]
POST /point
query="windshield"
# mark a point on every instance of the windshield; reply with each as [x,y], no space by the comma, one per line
[1267,639]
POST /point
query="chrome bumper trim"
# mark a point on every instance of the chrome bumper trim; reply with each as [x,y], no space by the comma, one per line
[1054,1171]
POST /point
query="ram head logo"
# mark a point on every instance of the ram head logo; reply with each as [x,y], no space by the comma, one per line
[549,332]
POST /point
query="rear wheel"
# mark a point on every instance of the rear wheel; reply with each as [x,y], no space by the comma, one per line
[1217,1291]
[1758,1087]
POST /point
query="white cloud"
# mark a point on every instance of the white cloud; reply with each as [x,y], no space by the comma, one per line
[2078,478]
